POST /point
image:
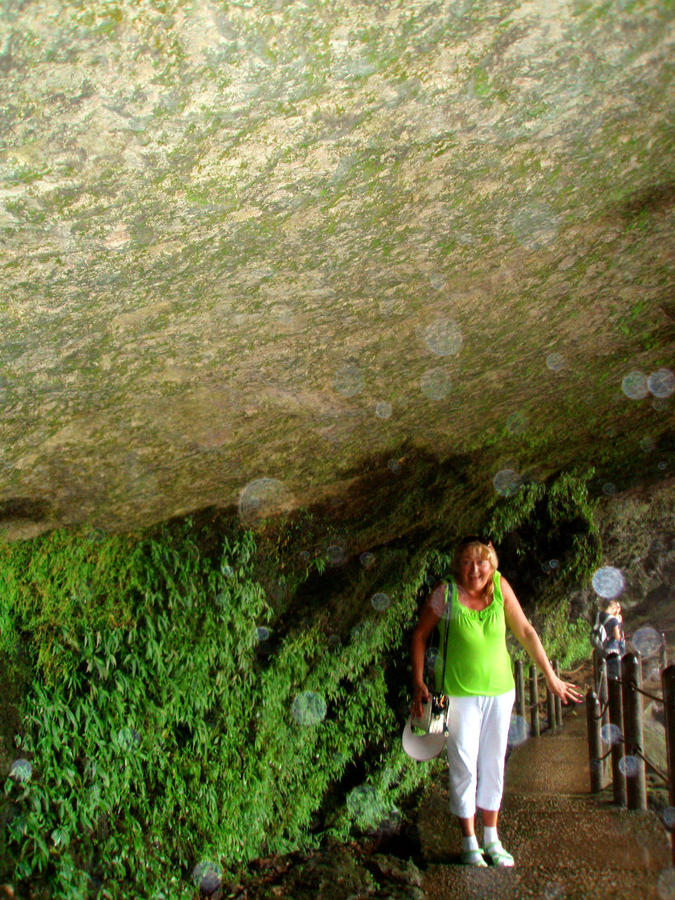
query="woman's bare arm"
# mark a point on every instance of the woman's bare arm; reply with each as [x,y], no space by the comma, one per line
[525,633]
[428,620]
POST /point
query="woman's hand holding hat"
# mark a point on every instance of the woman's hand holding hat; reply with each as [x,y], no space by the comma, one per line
[420,695]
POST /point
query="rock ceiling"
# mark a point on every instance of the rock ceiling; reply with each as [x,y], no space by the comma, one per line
[276,244]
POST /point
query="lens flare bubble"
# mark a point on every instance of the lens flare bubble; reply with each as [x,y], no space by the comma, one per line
[629,766]
[668,816]
[128,738]
[507,482]
[431,656]
[554,564]
[262,498]
[647,641]
[309,708]
[207,876]
[361,631]
[634,385]
[608,582]
[362,801]
[282,313]
[262,633]
[443,337]
[383,410]
[518,731]
[435,384]
[517,423]
[554,891]
[437,281]
[662,466]
[336,555]
[380,602]
[608,488]
[665,884]
[661,383]
[367,560]
[226,571]
[611,734]
[555,362]
[660,404]
[535,226]
[20,771]
[438,604]
[348,381]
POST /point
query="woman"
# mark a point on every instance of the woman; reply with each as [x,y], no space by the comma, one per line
[479,684]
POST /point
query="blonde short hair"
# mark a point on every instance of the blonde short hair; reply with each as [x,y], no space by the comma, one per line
[479,548]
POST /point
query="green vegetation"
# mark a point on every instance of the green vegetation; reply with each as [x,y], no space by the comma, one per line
[163,732]
[551,541]
[550,521]
[194,695]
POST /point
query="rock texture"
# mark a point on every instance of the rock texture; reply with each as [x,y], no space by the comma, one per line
[268,239]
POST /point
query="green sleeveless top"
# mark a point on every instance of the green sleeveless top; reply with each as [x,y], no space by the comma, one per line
[478,663]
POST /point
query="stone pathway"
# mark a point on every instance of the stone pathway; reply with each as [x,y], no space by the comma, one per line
[568,845]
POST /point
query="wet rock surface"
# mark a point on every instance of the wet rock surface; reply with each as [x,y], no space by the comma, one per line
[293,240]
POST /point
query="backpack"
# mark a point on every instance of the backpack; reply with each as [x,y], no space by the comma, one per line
[599,636]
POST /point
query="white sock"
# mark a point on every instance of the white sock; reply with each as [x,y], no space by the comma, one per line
[489,835]
[470,843]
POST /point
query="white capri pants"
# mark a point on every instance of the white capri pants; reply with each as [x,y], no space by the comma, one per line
[478,730]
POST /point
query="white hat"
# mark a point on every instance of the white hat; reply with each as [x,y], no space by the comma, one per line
[421,746]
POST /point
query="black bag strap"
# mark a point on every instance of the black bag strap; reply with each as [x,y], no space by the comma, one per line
[445,639]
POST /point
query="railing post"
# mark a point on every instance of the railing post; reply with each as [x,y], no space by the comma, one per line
[534,702]
[604,710]
[596,662]
[634,767]
[550,709]
[668,684]
[520,689]
[616,732]
[558,701]
[594,741]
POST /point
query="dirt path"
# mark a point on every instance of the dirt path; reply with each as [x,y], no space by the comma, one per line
[568,845]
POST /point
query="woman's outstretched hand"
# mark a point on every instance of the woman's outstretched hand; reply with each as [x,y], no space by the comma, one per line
[420,695]
[563,689]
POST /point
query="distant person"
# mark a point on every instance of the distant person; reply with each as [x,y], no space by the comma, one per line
[476,605]
[614,627]
[608,636]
